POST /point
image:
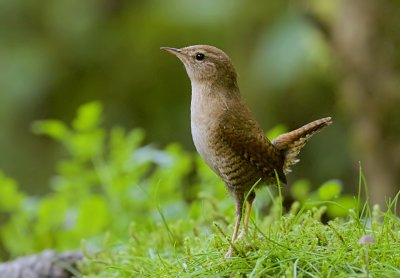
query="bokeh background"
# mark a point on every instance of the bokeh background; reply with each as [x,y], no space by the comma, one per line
[297,61]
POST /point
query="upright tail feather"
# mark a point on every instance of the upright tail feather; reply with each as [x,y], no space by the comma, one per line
[292,142]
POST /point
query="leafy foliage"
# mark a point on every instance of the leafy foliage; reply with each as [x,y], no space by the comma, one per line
[329,194]
[106,181]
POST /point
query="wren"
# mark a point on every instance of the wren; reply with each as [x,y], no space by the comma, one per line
[227,136]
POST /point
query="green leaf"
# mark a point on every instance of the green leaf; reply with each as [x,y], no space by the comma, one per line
[300,189]
[51,213]
[89,116]
[10,197]
[342,206]
[276,131]
[86,145]
[93,216]
[53,128]
[330,190]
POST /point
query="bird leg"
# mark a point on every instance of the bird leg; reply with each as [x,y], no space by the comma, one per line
[249,203]
[238,212]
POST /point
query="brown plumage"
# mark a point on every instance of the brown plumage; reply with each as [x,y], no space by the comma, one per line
[228,137]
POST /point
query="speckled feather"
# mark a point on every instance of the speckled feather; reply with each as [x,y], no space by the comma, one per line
[250,154]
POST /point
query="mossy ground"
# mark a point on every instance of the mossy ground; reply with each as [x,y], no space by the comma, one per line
[295,244]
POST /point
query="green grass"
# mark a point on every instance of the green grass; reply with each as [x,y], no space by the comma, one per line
[296,244]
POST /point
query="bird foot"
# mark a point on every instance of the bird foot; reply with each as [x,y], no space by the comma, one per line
[242,234]
[229,253]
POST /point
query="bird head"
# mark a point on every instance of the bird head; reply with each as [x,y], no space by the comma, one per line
[205,63]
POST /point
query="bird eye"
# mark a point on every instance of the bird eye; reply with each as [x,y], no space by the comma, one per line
[199,56]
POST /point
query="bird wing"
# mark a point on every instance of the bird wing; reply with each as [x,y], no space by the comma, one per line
[249,142]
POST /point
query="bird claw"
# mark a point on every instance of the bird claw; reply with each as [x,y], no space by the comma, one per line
[229,253]
[242,234]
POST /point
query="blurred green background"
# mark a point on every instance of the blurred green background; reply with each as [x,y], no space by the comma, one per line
[297,61]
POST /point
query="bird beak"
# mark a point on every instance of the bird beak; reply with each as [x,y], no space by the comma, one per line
[171,50]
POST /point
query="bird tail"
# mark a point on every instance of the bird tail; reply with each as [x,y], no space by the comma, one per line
[292,142]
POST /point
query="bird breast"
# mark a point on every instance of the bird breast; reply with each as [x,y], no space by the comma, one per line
[205,111]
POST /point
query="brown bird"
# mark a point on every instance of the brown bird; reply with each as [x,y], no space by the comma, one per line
[226,134]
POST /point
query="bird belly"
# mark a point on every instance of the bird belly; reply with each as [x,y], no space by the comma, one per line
[201,140]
